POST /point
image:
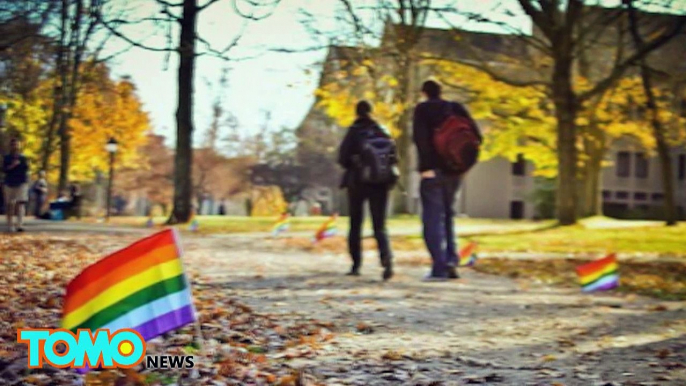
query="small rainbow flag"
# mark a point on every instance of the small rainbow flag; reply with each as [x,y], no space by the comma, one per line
[328,229]
[142,287]
[282,224]
[468,255]
[194,225]
[599,275]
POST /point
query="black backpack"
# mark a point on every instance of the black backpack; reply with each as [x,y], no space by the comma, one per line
[378,158]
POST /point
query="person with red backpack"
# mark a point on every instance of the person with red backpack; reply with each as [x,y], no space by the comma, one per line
[369,156]
[447,140]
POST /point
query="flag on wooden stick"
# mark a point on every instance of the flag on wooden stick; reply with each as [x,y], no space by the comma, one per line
[141,287]
[468,255]
[599,275]
[281,225]
[328,229]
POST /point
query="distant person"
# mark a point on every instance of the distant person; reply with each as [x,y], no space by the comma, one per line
[119,205]
[439,183]
[40,194]
[75,197]
[16,191]
[368,155]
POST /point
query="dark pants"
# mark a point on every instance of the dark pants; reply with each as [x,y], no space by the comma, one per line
[378,199]
[438,197]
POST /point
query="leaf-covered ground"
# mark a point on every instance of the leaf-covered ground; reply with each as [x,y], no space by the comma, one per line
[239,338]
[275,313]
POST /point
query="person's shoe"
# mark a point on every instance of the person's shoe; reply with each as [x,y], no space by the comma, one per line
[20,229]
[353,272]
[452,273]
[387,273]
[431,278]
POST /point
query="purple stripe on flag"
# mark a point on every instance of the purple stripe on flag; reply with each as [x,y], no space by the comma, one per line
[167,322]
[164,323]
[607,286]
[604,284]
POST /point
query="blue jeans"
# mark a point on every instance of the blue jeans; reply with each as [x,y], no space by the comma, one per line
[438,197]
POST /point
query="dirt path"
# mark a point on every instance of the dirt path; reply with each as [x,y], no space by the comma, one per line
[481,329]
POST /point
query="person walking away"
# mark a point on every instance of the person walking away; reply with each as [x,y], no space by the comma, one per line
[40,193]
[439,178]
[16,167]
[369,157]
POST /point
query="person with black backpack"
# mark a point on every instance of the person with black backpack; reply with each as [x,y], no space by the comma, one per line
[447,140]
[369,156]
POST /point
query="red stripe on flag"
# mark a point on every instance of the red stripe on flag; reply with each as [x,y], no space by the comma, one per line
[123,256]
[596,266]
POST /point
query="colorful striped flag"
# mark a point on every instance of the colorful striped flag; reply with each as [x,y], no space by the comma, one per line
[468,255]
[282,224]
[328,229]
[142,287]
[194,225]
[599,275]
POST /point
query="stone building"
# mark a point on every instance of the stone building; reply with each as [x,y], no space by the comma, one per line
[631,185]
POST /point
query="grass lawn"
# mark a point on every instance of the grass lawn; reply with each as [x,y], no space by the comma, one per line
[595,235]
[400,224]
[592,235]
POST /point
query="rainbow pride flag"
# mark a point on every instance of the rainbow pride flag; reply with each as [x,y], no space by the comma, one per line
[328,229]
[194,225]
[599,275]
[142,287]
[468,255]
[282,224]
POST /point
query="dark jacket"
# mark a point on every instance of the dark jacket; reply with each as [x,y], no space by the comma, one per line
[17,175]
[428,116]
[351,148]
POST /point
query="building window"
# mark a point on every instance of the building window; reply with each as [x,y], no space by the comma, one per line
[607,194]
[639,196]
[519,167]
[641,166]
[623,163]
[622,195]
[643,207]
[517,210]
[657,196]
[682,167]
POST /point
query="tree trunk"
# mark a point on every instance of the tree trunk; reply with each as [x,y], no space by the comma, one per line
[670,215]
[183,158]
[591,203]
[566,108]
[401,200]
[59,96]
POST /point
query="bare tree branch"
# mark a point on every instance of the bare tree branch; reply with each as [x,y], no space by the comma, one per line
[130,41]
[487,68]
[646,48]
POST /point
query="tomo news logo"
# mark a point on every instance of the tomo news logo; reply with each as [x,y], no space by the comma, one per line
[124,348]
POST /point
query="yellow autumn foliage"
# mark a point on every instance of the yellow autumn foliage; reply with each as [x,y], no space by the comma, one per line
[268,201]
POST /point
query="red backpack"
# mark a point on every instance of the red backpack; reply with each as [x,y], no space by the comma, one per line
[457,143]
